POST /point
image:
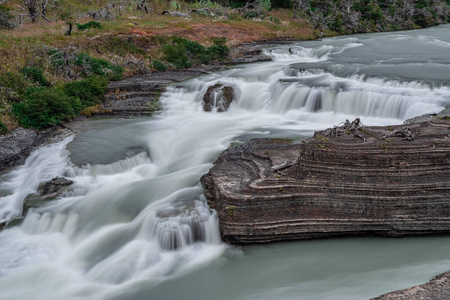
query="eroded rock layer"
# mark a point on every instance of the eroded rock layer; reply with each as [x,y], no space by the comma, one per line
[352,180]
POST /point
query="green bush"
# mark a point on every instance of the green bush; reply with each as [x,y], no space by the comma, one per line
[94,66]
[89,91]
[183,53]
[44,107]
[238,3]
[89,25]
[82,64]
[35,74]
[282,4]
[120,46]
[159,66]
[16,83]
[176,54]
[250,14]
[266,4]
[3,128]
[219,50]
[6,17]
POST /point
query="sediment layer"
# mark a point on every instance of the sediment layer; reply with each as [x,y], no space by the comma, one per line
[368,181]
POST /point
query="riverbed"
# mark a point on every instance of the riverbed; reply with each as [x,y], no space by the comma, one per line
[135,224]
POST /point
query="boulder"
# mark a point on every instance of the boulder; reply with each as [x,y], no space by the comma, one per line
[345,181]
[47,191]
[218,96]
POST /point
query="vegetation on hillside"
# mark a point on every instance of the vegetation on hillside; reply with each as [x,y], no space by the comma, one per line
[349,16]
[57,57]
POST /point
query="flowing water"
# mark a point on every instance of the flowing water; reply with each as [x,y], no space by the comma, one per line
[135,225]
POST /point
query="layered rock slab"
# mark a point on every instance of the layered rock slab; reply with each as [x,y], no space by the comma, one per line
[372,181]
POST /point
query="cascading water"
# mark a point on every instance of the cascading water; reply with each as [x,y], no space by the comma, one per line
[135,225]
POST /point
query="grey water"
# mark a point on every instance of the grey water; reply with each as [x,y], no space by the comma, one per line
[135,224]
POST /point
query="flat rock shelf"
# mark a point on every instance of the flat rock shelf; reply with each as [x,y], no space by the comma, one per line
[350,180]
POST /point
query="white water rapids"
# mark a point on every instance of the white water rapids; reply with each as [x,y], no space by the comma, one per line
[135,225]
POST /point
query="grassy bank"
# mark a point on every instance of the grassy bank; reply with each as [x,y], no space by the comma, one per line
[65,54]
[135,41]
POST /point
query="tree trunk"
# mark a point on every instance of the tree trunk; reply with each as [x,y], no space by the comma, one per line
[69,31]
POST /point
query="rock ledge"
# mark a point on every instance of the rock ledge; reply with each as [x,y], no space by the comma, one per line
[342,182]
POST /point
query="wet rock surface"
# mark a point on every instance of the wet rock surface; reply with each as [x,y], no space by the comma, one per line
[218,97]
[344,181]
[46,192]
[18,144]
[138,95]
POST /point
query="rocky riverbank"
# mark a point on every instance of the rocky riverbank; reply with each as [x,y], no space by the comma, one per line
[138,95]
[16,145]
[130,97]
[437,288]
[345,181]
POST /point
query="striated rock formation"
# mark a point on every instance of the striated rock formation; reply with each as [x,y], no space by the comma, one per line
[349,180]
[437,288]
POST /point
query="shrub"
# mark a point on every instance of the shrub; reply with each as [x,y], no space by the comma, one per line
[35,74]
[159,66]
[89,91]
[238,3]
[93,66]
[120,46]
[3,128]
[89,25]
[175,53]
[6,17]
[250,14]
[70,63]
[15,82]
[219,50]
[45,107]
[266,4]
[183,53]
[282,4]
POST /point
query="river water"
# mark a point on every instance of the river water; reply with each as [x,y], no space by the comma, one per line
[135,224]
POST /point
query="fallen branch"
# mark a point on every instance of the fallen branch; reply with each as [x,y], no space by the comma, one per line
[348,127]
[404,133]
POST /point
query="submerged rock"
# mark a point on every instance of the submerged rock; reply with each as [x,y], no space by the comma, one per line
[218,96]
[349,180]
[47,191]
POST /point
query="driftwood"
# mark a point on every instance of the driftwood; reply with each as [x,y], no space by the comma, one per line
[348,127]
[404,133]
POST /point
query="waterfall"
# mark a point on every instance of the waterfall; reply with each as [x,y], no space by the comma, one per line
[135,218]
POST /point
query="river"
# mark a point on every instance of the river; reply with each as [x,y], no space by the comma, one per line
[135,224]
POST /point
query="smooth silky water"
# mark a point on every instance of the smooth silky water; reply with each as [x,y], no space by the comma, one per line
[135,224]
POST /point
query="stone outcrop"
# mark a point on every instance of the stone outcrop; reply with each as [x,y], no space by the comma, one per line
[437,288]
[16,145]
[46,192]
[218,97]
[138,95]
[349,180]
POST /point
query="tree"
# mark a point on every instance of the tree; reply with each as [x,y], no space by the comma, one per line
[36,9]
[67,17]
